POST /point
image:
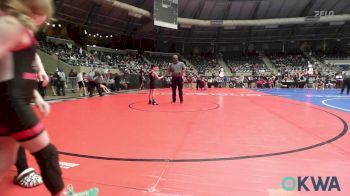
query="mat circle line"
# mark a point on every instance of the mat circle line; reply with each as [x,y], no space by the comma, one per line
[332,106]
[340,135]
[216,106]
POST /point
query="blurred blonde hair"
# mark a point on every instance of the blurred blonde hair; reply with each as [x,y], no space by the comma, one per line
[23,10]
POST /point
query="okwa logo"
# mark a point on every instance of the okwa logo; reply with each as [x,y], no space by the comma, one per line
[311,183]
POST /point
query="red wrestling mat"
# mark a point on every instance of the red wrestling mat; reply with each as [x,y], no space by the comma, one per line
[219,142]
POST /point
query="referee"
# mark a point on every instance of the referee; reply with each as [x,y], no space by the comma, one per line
[346,82]
[177,69]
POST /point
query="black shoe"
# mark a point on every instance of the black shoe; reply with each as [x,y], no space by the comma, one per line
[154,102]
[149,102]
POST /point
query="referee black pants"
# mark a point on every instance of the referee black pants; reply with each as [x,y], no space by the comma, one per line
[177,82]
[346,83]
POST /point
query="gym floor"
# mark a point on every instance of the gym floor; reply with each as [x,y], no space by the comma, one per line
[219,142]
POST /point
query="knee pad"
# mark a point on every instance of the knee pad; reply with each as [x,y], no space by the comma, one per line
[49,153]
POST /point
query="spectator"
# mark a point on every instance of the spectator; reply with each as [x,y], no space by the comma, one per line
[117,81]
[94,82]
[53,83]
[81,84]
[73,79]
[61,82]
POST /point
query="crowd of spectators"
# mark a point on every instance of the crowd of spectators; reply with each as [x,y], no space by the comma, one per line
[245,63]
[162,61]
[274,81]
[330,54]
[292,68]
[293,61]
[205,65]
[76,56]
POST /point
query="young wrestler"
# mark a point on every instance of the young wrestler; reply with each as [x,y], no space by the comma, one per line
[18,66]
[152,77]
